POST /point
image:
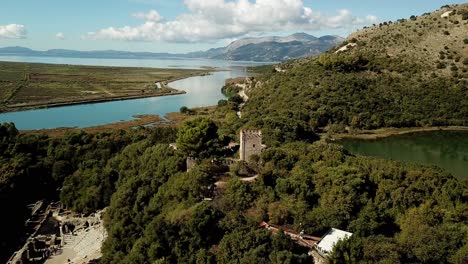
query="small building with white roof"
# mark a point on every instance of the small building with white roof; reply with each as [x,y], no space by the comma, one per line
[329,240]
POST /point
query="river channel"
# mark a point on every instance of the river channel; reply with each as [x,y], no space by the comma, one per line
[201,91]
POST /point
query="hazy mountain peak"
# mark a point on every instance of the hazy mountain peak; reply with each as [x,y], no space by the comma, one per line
[16,49]
[279,48]
[301,37]
[271,48]
[330,37]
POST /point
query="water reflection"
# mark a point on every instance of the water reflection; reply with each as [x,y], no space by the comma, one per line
[448,150]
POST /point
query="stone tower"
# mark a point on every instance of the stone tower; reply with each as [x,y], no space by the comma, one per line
[250,144]
[191,163]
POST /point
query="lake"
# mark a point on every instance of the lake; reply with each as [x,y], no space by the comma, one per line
[445,149]
[201,91]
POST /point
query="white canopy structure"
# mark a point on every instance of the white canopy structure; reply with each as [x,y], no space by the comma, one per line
[328,241]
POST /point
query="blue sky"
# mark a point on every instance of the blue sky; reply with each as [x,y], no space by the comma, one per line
[186,25]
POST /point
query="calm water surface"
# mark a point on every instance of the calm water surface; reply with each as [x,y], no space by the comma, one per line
[201,91]
[151,63]
[448,150]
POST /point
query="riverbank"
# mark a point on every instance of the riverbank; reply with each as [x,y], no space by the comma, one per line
[25,107]
[27,86]
[171,119]
[388,132]
[140,120]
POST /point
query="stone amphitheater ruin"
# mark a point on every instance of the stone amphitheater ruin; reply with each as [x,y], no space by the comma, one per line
[60,236]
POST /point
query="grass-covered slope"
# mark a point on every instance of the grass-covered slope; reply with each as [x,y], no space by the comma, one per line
[429,39]
[402,74]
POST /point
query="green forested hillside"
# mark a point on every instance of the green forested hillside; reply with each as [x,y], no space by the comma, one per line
[72,168]
[399,213]
[157,212]
[402,74]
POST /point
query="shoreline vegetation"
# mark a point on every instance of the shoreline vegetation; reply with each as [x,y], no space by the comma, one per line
[29,86]
[25,107]
[171,119]
[140,120]
[176,118]
[389,132]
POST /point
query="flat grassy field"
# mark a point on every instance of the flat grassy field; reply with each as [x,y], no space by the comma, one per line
[35,85]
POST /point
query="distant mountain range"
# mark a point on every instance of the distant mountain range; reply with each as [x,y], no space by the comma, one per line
[264,49]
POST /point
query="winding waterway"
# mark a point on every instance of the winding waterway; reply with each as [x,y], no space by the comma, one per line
[445,149]
[201,91]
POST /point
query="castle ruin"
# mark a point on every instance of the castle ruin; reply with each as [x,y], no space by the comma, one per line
[191,163]
[250,144]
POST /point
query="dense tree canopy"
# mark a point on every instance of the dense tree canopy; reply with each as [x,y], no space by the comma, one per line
[314,95]
[198,138]
[73,168]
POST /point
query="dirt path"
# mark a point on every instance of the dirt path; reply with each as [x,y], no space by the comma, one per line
[249,179]
[108,92]
[222,184]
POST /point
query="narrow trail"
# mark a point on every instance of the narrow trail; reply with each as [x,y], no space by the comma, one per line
[221,184]
[244,96]
[300,238]
[249,179]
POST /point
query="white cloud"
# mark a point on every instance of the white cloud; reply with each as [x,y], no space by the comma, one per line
[152,15]
[13,31]
[372,19]
[60,36]
[212,20]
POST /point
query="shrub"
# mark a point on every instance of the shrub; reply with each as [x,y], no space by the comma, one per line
[186,110]
[237,99]
[222,102]
[465,61]
[465,15]
[441,65]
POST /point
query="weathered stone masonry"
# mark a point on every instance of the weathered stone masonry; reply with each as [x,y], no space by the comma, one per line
[250,144]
